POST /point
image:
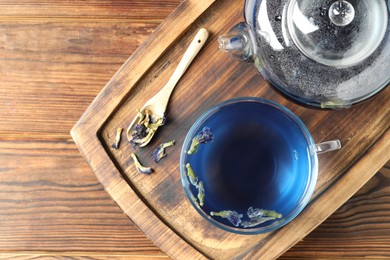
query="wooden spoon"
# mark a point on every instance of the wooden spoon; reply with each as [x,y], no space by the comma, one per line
[157,105]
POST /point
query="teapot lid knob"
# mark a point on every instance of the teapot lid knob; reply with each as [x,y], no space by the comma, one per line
[337,33]
[341,13]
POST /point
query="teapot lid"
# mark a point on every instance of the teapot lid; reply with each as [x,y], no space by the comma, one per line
[338,34]
[327,53]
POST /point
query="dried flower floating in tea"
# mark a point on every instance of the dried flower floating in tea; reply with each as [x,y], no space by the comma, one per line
[203,137]
[255,221]
[159,152]
[140,168]
[233,216]
[255,212]
[198,184]
[258,216]
[191,175]
[194,199]
[115,145]
[201,193]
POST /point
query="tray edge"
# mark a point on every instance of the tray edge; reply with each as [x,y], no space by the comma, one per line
[172,243]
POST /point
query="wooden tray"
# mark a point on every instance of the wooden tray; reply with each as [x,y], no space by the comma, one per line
[156,203]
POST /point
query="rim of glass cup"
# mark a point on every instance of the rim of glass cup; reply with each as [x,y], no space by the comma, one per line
[312,175]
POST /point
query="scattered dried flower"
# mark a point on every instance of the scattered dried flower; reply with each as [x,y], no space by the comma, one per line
[203,137]
[231,215]
[115,145]
[140,168]
[159,152]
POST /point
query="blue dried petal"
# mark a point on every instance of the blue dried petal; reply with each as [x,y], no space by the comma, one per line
[154,119]
[145,170]
[231,215]
[140,168]
[203,137]
[143,131]
[140,132]
[158,153]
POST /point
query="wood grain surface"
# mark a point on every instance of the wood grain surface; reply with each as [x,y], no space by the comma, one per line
[55,57]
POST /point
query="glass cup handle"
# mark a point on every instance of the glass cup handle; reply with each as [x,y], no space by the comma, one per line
[328,146]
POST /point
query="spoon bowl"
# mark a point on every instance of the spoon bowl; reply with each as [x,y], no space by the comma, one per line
[156,106]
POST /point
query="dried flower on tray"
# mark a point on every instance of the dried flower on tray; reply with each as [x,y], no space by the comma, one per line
[140,168]
[115,145]
[159,152]
[203,137]
[233,216]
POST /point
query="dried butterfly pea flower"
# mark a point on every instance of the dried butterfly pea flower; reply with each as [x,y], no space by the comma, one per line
[145,121]
[258,216]
[255,212]
[140,168]
[139,133]
[198,184]
[194,199]
[156,121]
[191,175]
[144,128]
[203,137]
[158,153]
[231,215]
[115,145]
[201,193]
[256,221]
[143,141]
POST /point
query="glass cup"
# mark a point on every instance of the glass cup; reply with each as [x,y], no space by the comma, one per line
[249,165]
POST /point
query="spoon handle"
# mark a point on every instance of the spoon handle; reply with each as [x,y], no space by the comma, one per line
[158,103]
[195,46]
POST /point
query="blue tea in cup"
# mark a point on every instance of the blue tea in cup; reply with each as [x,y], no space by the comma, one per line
[249,165]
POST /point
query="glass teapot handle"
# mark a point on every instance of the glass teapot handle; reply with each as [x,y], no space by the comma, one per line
[238,42]
[327,146]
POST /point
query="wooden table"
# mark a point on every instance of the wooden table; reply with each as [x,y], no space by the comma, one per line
[56,56]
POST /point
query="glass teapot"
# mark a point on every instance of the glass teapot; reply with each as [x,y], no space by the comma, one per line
[325,53]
